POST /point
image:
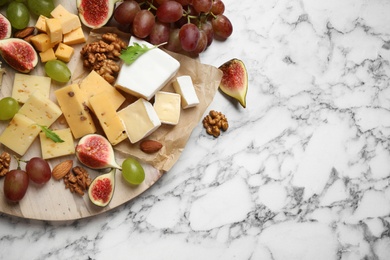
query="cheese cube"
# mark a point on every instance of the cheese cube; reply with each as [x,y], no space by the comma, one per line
[167,106]
[40,109]
[108,118]
[76,115]
[25,84]
[54,30]
[47,55]
[64,52]
[42,42]
[20,134]
[74,37]
[183,86]
[148,74]
[51,149]
[69,21]
[41,24]
[140,120]
[94,84]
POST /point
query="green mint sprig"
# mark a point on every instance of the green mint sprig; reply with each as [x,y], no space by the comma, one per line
[50,134]
[133,52]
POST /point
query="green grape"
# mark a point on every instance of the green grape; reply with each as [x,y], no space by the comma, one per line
[132,171]
[58,71]
[18,15]
[41,7]
[8,108]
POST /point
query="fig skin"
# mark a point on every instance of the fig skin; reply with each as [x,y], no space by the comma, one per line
[19,54]
[5,27]
[234,82]
[96,152]
[106,184]
[95,13]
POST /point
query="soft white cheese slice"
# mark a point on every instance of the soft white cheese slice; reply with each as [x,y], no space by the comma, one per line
[167,106]
[140,119]
[183,85]
[148,74]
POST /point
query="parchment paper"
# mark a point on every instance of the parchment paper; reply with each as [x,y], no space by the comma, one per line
[206,79]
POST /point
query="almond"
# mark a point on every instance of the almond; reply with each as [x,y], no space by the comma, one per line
[60,170]
[150,146]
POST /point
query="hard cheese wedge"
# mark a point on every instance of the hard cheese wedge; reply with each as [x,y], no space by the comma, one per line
[20,134]
[25,85]
[183,85]
[167,106]
[108,118]
[148,74]
[140,119]
[40,109]
[51,149]
[78,118]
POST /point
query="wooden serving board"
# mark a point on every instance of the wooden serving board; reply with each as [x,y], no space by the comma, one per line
[52,201]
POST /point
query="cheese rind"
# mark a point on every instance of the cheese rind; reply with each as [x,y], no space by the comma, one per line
[167,106]
[148,74]
[51,149]
[140,120]
[20,134]
[40,109]
[183,85]
[25,84]
[94,84]
[108,118]
[78,118]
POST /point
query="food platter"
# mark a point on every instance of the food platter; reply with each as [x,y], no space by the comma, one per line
[52,201]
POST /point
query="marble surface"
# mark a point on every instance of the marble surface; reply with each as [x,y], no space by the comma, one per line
[303,171]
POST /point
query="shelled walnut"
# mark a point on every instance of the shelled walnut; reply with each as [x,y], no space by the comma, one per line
[5,160]
[102,56]
[214,122]
[77,180]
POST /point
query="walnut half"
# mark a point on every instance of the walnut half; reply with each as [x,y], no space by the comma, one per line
[5,160]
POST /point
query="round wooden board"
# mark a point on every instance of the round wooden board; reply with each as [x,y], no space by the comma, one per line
[52,201]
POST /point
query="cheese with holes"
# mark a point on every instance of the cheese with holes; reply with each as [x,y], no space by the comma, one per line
[183,85]
[69,21]
[20,134]
[76,115]
[54,30]
[74,37]
[47,55]
[148,74]
[167,106]
[64,52]
[41,42]
[40,109]
[25,84]
[51,149]
[140,120]
[41,23]
[94,84]
[108,118]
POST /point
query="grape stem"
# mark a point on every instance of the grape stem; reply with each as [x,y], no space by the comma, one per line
[18,160]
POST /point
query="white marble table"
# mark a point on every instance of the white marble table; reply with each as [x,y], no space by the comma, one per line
[302,173]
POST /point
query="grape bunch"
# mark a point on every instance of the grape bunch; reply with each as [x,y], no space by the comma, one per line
[188,26]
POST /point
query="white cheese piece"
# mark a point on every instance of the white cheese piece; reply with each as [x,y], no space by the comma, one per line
[25,85]
[20,134]
[140,119]
[148,74]
[167,106]
[183,85]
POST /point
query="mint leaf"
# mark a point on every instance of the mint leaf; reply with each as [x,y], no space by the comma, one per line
[131,53]
[50,134]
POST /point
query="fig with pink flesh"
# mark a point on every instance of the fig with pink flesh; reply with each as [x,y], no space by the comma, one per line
[19,54]
[95,13]
[96,152]
[102,188]
[234,82]
[5,27]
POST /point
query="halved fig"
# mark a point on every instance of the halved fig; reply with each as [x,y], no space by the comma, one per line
[234,82]
[5,27]
[95,13]
[96,152]
[102,188]
[19,54]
